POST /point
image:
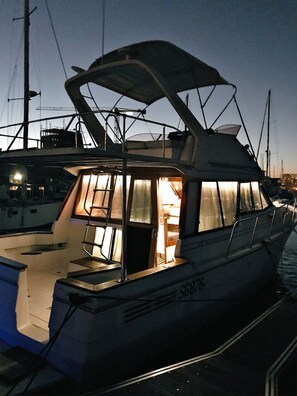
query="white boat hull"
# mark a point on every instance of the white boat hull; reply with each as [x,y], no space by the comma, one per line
[106,334]
[133,319]
[28,215]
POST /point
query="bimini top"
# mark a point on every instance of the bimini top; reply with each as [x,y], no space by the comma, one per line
[180,70]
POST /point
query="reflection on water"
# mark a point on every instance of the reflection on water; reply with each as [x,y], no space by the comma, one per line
[287,268]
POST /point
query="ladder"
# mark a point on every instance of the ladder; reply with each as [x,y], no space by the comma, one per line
[101,201]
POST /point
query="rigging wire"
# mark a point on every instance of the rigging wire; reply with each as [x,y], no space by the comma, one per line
[226,106]
[14,53]
[103,30]
[262,128]
[56,39]
[244,127]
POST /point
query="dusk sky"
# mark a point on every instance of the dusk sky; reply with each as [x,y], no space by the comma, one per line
[252,43]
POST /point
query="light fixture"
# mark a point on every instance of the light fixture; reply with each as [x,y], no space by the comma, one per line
[17,177]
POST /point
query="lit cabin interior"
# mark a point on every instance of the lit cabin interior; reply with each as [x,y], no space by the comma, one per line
[90,228]
[93,239]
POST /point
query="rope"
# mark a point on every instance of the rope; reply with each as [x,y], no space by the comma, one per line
[35,367]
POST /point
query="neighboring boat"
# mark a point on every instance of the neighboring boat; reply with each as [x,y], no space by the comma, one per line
[156,237]
[273,185]
[24,206]
[28,214]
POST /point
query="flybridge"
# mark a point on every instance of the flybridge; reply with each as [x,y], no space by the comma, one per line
[180,70]
[153,74]
[165,129]
[145,72]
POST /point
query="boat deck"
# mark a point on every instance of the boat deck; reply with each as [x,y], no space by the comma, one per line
[261,359]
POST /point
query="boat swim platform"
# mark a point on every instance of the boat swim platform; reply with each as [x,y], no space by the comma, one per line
[261,359]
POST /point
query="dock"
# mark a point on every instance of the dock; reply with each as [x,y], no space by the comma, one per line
[261,359]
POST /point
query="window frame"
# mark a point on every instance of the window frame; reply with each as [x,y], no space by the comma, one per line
[199,207]
[261,194]
[130,198]
[99,219]
[238,213]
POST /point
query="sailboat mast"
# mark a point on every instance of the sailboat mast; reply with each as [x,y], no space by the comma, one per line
[268,136]
[26,73]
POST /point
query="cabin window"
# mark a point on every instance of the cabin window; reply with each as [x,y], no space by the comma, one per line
[256,196]
[141,207]
[96,193]
[246,202]
[251,197]
[259,198]
[111,240]
[265,201]
[116,212]
[228,195]
[210,212]
[84,201]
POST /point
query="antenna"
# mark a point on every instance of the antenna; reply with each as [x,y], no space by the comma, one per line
[103,28]
[282,169]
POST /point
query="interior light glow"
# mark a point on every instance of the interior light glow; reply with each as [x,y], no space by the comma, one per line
[18,177]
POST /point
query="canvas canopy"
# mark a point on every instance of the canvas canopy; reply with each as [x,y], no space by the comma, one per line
[123,71]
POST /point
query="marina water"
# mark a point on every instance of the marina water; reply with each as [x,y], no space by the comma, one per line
[288,265]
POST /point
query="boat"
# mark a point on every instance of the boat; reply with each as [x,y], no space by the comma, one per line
[27,205]
[24,203]
[166,227]
[273,185]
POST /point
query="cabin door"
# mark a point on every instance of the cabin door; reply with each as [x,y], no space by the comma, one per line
[169,203]
[153,221]
[142,223]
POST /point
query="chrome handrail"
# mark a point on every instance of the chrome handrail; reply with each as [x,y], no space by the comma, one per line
[161,135]
[272,222]
[254,231]
[294,211]
[256,221]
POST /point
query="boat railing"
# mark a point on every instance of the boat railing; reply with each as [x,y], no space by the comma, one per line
[124,123]
[54,137]
[119,125]
[288,215]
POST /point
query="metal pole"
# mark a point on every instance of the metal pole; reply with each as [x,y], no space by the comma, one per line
[124,208]
[26,72]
